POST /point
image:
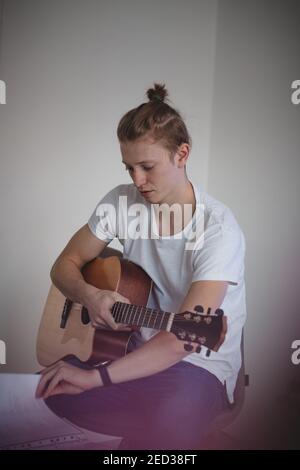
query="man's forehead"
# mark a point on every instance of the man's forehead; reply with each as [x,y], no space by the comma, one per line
[141,153]
[139,162]
[142,144]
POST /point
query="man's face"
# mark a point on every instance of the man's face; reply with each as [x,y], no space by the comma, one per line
[152,171]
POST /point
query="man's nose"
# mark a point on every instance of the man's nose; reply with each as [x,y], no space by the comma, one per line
[139,178]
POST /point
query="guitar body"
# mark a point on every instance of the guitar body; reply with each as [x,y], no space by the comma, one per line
[76,337]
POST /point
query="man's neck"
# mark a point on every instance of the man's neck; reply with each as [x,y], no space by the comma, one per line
[184,205]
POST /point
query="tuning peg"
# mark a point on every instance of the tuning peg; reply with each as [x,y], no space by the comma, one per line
[198,349]
[199,308]
[188,347]
[207,354]
[219,312]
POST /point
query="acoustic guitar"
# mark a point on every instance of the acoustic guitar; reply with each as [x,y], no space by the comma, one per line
[65,329]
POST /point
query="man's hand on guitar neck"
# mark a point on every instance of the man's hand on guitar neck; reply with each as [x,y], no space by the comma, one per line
[99,304]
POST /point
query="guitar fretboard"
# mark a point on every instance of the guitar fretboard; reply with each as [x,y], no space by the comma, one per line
[140,316]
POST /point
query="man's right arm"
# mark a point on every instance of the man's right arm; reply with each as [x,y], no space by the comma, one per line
[66,276]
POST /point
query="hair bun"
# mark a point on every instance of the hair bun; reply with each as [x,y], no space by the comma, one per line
[158,93]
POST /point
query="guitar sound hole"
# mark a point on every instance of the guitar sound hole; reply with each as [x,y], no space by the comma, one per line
[85,318]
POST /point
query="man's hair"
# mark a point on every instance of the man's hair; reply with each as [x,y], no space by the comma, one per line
[156,120]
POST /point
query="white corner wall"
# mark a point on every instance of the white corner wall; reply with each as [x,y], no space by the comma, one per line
[254,167]
[72,69]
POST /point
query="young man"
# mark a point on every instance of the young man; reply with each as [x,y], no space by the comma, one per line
[160,395]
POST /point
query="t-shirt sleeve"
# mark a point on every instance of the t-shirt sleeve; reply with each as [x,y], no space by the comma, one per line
[103,221]
[221,256]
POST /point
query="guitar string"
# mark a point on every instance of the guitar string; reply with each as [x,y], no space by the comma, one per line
[178,317]
[149,313]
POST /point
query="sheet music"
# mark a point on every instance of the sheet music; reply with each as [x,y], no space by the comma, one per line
[27,423]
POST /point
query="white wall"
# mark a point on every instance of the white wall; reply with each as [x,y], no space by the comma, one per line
[254,168]
[72,69]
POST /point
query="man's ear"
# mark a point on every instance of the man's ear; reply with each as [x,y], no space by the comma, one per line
[182,155]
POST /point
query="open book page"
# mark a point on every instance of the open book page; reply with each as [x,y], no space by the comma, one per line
[27,423]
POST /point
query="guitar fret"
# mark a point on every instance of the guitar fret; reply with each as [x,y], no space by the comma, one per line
[161,323]
[158,320]
[138,322]
[127,313]
[146,316]
[149,321]
[122,318]
[141,316]
[167,320]
[163,318]
[153,317]
[119,312]
[131,314]
[114,310]
[135,312]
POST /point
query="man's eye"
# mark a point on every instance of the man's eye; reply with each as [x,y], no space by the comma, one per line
[147,168]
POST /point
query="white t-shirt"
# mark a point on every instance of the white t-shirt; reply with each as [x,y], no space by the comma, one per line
[174,262]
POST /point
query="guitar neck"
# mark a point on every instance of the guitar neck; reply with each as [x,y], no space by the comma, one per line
[142,316]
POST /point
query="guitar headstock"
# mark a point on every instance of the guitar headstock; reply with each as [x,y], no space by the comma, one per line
[207,329]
